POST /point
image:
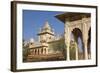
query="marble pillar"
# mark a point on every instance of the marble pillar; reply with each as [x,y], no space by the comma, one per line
[67,39]
[85,38]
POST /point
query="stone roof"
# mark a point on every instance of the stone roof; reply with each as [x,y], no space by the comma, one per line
[72,16]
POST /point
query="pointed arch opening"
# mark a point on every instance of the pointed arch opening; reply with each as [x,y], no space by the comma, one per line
[76,45]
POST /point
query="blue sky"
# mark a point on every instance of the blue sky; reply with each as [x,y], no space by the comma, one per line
[34,20]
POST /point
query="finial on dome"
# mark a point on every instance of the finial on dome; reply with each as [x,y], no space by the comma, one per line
[46,25]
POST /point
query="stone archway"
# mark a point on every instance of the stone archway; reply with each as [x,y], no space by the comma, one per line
[76,40]
[76,20]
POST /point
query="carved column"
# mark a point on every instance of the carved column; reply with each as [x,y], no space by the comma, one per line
[85,37]
[43,50]
[46,50]
[40,51]
[33,51]
[76,49]
[67,39]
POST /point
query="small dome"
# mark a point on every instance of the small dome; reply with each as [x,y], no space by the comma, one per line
[31,40]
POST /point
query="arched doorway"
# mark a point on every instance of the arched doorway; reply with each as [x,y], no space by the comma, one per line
[76,44]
